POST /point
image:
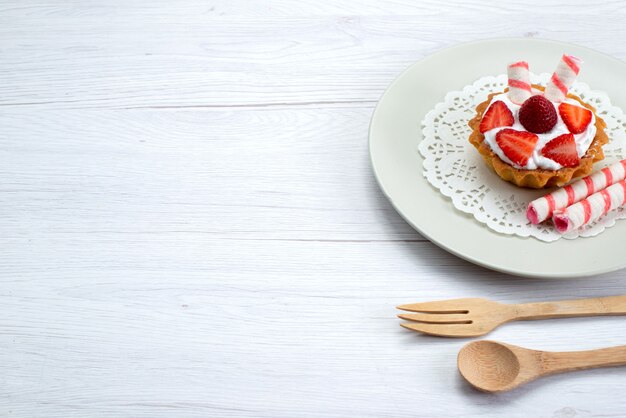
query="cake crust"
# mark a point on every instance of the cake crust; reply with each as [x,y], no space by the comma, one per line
[538,178]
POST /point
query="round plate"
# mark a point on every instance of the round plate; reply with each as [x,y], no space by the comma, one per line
[395,132]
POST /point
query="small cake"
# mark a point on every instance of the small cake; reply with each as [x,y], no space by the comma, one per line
[535,137]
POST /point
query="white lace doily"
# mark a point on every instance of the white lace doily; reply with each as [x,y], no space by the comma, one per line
[454,166]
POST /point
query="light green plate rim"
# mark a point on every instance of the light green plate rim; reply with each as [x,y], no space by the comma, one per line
[395,132]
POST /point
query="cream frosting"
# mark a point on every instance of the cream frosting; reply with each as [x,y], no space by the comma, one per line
[536,160]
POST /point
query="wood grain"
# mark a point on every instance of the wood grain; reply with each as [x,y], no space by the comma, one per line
[190,225]
[193,54]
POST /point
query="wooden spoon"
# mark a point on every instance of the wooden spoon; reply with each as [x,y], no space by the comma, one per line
[492,366]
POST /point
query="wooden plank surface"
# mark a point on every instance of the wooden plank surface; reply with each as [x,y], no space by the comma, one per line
[190,225]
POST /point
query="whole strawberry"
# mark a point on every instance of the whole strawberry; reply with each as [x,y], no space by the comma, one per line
[537,115]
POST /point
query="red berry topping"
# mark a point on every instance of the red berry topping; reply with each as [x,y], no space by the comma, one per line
[562,149]
[517,145]
[537,114]
[497,115]
[577,118]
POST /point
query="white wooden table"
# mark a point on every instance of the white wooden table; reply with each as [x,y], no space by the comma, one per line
[190,226]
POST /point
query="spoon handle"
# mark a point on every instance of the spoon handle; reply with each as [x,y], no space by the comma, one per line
[610,305]
[557,362]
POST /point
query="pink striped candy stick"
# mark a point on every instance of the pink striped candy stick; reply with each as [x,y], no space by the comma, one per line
[519,82]
[591,208]
[541,209]
[563,78]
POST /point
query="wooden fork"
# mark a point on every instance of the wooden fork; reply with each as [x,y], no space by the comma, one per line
[471,317]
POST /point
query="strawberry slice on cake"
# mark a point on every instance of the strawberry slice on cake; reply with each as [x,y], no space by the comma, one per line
[562,149]
[576,118]
[518,146]
[498,115]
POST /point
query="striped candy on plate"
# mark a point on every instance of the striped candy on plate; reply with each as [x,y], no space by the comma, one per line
[541,209]
[591,208]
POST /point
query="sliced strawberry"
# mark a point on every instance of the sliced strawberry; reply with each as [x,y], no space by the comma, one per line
[577,118]
[562,149]
[517,145]
[497,115]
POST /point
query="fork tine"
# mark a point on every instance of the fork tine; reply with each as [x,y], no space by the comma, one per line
[437,318]
[440,306]
[445,330]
